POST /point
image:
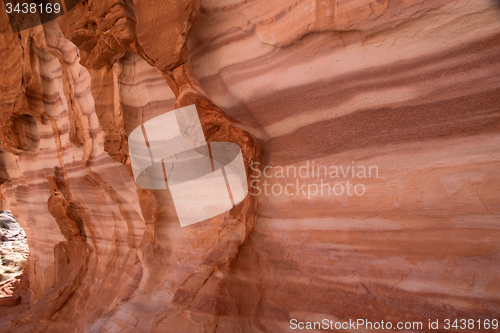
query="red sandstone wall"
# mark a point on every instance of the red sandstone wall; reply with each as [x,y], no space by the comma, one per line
[410,87]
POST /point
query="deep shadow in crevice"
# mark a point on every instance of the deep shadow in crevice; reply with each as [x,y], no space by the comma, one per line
[24,133]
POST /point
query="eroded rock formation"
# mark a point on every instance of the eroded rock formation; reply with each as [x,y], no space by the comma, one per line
[411,87]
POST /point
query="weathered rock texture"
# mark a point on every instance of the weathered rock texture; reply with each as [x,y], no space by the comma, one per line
[13,249]
[410,86]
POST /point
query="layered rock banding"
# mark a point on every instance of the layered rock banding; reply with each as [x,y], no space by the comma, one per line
[411,87]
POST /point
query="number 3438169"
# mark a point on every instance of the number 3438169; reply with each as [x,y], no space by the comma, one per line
[470,324]
[32,8]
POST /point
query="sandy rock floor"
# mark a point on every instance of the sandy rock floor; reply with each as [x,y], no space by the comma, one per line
[13,246]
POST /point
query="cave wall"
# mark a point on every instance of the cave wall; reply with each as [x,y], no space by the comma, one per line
[410,87]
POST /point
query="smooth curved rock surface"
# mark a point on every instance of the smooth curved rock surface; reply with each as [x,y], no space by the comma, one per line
[409,87]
